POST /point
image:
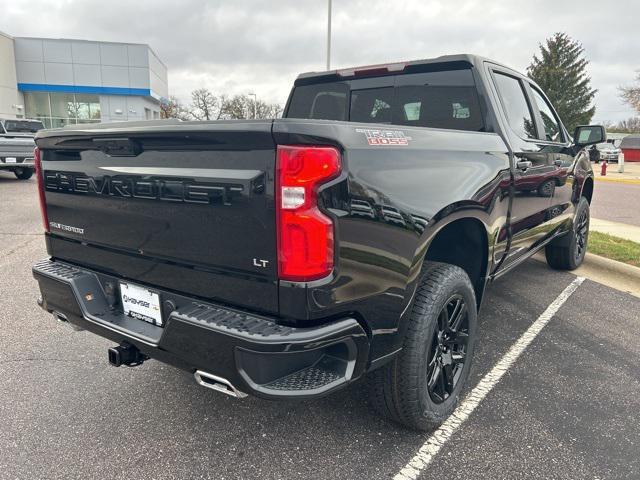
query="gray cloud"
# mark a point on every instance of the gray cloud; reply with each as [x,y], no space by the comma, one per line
[252,45]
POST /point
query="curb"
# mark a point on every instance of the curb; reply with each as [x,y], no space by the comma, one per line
[611,273]
[613,266]
[628,181]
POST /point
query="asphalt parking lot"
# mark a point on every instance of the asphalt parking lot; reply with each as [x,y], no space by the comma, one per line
[568,408]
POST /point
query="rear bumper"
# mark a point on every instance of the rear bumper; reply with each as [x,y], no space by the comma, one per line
[21,162]
[254,353]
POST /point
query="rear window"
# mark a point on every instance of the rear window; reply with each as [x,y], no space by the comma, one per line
[325,101]
[372,105]
[22,126]
[436,99]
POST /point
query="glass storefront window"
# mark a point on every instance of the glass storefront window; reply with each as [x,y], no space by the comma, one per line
[63,105]
[88,107]
[60,109]
[61,122]
[36,104]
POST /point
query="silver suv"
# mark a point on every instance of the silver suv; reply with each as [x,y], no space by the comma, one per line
[16,145]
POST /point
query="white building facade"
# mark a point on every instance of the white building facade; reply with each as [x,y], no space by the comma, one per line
[61,82]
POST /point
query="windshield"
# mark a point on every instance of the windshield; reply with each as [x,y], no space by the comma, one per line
[23,126]
[606,146]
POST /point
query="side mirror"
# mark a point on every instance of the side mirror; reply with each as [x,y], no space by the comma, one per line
[589,135]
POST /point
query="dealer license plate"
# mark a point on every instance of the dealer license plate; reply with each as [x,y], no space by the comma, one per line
[10,160]
[141,303]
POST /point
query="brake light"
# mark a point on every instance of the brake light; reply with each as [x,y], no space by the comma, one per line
[43,204]
[372,70]
[305,234]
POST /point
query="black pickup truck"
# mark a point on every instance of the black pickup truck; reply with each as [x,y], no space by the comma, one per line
[288,258]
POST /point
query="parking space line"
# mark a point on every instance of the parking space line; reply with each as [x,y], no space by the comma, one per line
[436,441]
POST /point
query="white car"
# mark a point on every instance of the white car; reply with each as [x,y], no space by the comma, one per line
[608,152]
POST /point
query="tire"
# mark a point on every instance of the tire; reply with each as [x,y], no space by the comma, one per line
[23,173]
[546,189]
[567,252]
[400,390]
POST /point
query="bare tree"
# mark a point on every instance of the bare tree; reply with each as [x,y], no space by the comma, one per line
[631,95]
[631,125]
[172,108]
[242,107]
[205,105]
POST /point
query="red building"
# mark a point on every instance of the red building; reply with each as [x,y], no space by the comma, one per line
[630,146]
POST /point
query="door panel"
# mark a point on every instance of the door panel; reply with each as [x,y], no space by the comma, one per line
[560,158]
[532,170]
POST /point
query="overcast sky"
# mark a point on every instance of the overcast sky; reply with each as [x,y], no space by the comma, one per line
[260,46]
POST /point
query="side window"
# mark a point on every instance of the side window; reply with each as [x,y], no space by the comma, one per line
[371,105]
[514,103]
[552,130]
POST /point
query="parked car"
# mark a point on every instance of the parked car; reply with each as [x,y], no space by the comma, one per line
[608,152]
[355,236]
[16,146]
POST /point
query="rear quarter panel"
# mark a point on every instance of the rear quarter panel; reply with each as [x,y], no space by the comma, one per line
[388,205]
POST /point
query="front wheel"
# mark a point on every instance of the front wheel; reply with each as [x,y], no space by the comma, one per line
[23,173]
[421,386]
[568,251]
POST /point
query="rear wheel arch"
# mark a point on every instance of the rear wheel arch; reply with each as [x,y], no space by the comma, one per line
[463,242]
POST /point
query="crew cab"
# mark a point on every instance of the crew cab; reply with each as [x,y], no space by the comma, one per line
[16,146]
[287,258]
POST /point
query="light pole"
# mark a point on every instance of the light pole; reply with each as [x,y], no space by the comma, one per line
[255,105]
[329,35]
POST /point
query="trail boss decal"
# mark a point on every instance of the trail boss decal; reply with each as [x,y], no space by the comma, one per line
[384,137]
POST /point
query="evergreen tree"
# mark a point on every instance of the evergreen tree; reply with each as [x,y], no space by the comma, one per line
[561,71]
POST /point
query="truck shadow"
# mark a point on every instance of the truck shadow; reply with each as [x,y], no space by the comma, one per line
[308,437]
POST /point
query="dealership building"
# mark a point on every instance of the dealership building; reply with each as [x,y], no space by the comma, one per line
[61,82]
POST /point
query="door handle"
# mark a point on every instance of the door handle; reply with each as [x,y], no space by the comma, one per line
[524,164]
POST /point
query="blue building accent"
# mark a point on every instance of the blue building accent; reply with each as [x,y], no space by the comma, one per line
[42,87]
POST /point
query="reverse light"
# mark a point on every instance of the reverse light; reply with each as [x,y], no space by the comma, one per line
[39,176]
[305,234]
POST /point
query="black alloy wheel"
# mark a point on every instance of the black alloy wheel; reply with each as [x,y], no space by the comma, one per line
[447,354]
[582,231]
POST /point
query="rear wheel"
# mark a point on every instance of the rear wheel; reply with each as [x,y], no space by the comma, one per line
[421,386]
[568,251]
[23,173]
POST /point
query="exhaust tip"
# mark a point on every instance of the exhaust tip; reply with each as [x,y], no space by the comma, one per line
[218,384]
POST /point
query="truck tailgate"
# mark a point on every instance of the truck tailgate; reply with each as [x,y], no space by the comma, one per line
[174,205]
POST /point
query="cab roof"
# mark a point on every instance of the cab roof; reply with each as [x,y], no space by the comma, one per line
[444,62]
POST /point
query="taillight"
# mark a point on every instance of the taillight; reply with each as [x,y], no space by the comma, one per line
[305,234]
[43,204]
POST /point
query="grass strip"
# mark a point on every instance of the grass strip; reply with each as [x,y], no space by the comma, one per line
[614,248]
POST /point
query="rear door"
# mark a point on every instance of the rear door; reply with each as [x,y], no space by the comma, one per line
[554,142]
[531,217]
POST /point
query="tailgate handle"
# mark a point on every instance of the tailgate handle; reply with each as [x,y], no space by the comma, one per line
[118,147]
